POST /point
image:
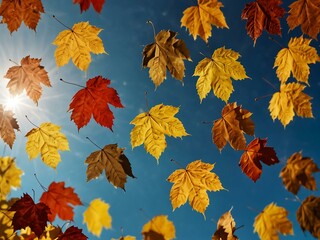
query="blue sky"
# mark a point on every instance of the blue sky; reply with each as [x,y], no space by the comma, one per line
[124,36]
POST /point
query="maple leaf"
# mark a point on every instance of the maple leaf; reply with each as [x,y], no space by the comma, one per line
[192,184]
[234,122]
[226,226]
[7,126]
[158,228]
[151,127]
[255,152]
[46,140]
[290,100]
[13,12]
[198,19]
[295,59]
[307,14]
[271,221]
[28,76]
[77,43]
[128,237]
[216,73]
[263,14]
[85,4]
[298,171]
[97,216]
[112,160]
[29,214]
[308,215]
[59,198]
[50,233]
[73,233]
[166,52]
[10,176]
[93,100]
[6,228]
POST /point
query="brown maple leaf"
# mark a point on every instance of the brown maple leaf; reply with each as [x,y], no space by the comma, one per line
[166,52]
[72,233]
[298,171]
[28,76]
[226,226]
[7,126]
[13,12]
[234,122]
[255,152]
[263,14]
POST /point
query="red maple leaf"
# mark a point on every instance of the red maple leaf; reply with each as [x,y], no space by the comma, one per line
[263,14]
[73,233]
[58,198]
[255,152]
[85,4]
[29,214]
[93,100]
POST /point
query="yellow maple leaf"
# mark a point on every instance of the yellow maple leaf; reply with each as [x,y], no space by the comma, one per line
[290,100]
[97,216]
[6,227]
[151,128]
[159,227]
[50,233]
[271,221]
[226,227]
[216,73]
[192,184]
[46,140]
[295,59]
[128,237]
[198,19]
[77,43]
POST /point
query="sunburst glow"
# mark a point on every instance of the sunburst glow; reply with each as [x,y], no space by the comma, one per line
[13,103]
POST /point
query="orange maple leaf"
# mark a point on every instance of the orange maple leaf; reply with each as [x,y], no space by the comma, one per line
[85,4]
[58,198]
[28,77]
[13,12]
[7,126]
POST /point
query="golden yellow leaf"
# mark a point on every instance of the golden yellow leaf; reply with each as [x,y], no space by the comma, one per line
[225,228]
[290,100]
[272,221]
[7,126]
[151,128]
[77,43]
[198,19]
[166,52]
[46,140]
[50,233]
[298,172]
[128,237]
[6,227]
[295,60]
[159,227]
[192,184]
[216,73]
[97,216]
[10,176]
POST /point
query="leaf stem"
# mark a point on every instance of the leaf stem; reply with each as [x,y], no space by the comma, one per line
[31,122]
[62,23]
[264,96]
[74,84]
[146,99]
[13,62]
[94,143]
[177,163]
[267,81]
[279,44]
[154,31]
[43,187]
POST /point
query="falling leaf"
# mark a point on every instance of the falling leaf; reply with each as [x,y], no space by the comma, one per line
[192,184]
[295,59]
[272,221]
[50,233]
[77,43]
[85,4]
[158,228]
[308,215]
[59,198]
[7,126]
[112,160]
[298,171]
[10,176]
[13,12]
[28,77]
[151,127]
[166,52]
[234,122]
[263,14]
[226,226]
[73,233]
[29,214]
[93,100]
[216,73]
[255,152]
[290,100]
[97,216]
[6,216]
[307,14]
[198,19]
[128,237]
[46,140]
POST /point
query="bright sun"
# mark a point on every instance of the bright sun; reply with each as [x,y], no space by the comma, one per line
[13,103]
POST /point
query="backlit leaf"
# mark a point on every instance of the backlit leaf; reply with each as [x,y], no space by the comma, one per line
[85,4]
[159,228]
[6,216]
[7,126]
